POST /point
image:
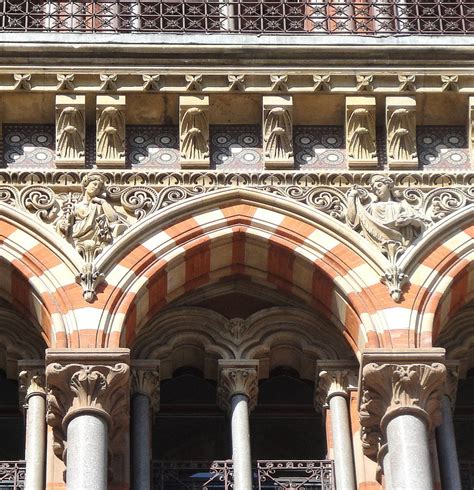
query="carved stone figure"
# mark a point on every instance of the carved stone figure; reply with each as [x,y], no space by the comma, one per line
[361,135]
[389,223]
[70,134]
[111,134]
[278,134]
[402,135]
[195,135]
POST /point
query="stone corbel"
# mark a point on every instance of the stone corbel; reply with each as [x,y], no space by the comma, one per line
[361,142]
[145,380]
[31,378]
[401,133]
[88,381]
[396,383]
[237,378]
[334,378]
[70,131]
[110,132]
[278,132]
[194,131]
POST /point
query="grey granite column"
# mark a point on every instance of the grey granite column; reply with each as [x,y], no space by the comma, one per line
[334,379]
[87,436]
[145,398]
[32,388]
[237,393]
[447,452]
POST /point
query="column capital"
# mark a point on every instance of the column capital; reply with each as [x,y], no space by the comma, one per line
[86,381]
[145,380]
[237,377]
[334,378]
[452,378]
[31,378]
[395,383]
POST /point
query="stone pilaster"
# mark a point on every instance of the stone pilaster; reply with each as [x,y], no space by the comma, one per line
[145,380]
[87,382]
[31,377]
[393,384]
[237,378]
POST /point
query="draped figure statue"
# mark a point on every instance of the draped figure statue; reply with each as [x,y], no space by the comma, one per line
[195,135]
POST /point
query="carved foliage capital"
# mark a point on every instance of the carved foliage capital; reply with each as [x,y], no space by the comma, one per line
[332,382]
[391,389]
[237,380]
[31,381]
[145,380]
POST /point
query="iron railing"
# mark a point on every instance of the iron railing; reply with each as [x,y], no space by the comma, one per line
[12,475]
[267,475]
[365,17]
[467,474]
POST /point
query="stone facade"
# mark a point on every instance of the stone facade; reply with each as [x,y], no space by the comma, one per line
[235,205]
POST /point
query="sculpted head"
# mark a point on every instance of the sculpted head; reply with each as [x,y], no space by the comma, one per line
[93,185]
[382,187]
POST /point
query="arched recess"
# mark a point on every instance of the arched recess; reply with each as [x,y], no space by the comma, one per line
[38,271]
[441,272]
[239,232]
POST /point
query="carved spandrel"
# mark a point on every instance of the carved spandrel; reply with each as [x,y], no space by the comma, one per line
[110,137]
[360,132]
[278,132]
[194,131]
[70,131]
[401,132]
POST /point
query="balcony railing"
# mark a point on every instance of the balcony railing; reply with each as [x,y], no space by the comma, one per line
[268,475]
[363,17]
[12,475]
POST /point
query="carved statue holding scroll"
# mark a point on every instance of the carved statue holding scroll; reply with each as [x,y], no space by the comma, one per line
[195,135]
[111,134]
[278,134]
[71,134]
[361,135]
[401,130]
[389,223]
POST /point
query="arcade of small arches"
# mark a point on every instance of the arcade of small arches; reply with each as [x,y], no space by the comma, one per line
[236,326]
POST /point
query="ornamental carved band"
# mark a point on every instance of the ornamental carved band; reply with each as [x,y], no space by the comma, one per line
[237,381]
[389,390]
[75,388]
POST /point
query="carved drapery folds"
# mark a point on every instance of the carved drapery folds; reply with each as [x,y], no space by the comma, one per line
[84,388]
[145,380]
[70,131]
[389,389]
[110,139]
[401,132]
[31,378]
[237,378]
[360,132]
[194,131]
[333,378]
[278,132]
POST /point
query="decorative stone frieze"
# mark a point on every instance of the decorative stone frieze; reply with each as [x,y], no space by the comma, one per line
[193,82]
[110,139]
[31,379]
[145,380]
[405,383]
[278,132]
[237,378]
[70,131]
[449,83]
[108,82]
[333,378]
[279,83]
[151,82]
[322,83]
[22,81]
[194,131]
[401,132]
[360,132]
[87,382]
[65,81]
[236,82]
[407,83]
[364,83]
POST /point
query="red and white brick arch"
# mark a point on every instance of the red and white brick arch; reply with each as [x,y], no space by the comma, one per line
[271,240]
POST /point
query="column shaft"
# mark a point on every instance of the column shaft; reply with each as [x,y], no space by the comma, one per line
[387,477]
[87,452]
[341,433]
[410,461]
[141,442]
[447,452]
[241,442]
[35,453]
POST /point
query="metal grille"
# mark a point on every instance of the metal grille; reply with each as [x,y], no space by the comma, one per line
[267,475]
[12,475]
[363,17]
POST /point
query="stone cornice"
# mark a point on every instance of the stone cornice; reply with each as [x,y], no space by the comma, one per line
[31,377]
[237,378]
[334,378]
[145,380]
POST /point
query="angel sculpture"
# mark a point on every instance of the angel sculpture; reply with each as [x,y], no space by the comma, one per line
[70,134]
[278,134]
[361,135]
[401,129]
[111,134]
[195,135]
